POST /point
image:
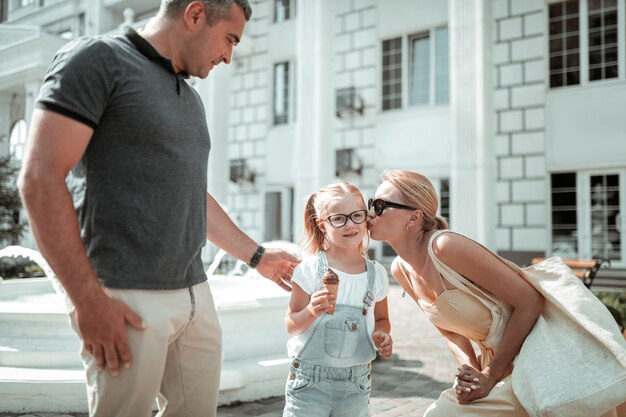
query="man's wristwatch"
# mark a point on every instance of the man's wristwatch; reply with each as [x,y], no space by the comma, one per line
[256,258]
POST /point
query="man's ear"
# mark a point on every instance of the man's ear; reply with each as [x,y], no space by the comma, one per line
[194,14]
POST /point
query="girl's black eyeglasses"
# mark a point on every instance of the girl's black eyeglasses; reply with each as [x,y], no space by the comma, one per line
[340,220]
[379,205]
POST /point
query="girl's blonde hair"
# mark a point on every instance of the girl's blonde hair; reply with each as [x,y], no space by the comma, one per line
[314,239]
[418,192]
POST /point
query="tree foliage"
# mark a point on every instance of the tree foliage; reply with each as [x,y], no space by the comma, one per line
[11,227]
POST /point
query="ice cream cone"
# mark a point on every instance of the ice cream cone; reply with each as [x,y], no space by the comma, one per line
[331,283]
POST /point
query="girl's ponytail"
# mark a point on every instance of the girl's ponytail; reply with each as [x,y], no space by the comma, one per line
[313,238]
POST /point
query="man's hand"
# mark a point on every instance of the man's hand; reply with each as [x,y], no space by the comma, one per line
[278,265]
[102,327]
[384,343]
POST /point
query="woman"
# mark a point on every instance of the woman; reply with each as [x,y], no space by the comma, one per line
[458,283]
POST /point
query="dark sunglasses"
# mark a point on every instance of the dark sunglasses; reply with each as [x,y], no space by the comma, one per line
[340,220]
[379,205]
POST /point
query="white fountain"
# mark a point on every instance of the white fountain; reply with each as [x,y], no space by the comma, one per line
[40,368]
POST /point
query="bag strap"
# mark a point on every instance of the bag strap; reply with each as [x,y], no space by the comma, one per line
[457,279]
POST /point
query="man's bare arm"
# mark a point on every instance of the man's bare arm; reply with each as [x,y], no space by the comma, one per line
[276,265]
[55,144]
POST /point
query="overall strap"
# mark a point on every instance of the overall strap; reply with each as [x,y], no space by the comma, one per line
[368,299]
[323,261]
[322,266]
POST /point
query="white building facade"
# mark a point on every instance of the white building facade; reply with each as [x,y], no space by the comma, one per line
[511,107]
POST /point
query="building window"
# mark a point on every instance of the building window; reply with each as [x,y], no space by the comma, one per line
[602,37]
[420,69]
[273,216]
[444,199]
[604,193]
[17,141]
[564,216]
[81,24]
[283,10]
[18,4]
[282,95]
[392,74]
[279,214]
[4,10]
[427,66]
[564,43]
[597,21]
[586,215]
[69,28]
[387,251]
[442,67]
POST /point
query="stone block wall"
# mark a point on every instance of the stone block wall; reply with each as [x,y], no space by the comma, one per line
[520,84]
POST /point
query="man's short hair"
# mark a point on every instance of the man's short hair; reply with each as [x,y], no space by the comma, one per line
[216,10]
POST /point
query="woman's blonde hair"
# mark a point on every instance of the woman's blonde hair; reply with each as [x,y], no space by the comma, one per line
[418,192]
[314,239]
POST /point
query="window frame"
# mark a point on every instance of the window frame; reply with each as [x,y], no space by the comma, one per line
[285,221]
[583,33]
[17,140]
[389,67]
[584,210]
[406,50]
[290,95]
[288,16]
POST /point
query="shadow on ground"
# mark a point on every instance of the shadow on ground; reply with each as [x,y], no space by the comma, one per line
[399,378]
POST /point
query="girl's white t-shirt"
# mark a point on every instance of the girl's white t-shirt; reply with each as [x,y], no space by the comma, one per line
[351,291]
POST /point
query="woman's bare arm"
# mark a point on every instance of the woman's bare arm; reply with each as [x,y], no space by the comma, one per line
[477,264]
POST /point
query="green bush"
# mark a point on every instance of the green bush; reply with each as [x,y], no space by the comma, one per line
[616,299]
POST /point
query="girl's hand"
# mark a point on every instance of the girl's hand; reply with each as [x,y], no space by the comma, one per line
[321,302]
[472,385]
[384,343]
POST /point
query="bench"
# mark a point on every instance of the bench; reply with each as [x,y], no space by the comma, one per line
[585,269]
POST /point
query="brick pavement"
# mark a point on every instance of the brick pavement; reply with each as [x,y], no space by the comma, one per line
[403,386]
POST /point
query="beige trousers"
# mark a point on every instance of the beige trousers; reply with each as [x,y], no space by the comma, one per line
[176,359]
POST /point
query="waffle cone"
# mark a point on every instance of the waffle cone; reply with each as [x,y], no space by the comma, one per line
[332,289]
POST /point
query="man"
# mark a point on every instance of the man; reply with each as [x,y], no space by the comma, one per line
[118,113]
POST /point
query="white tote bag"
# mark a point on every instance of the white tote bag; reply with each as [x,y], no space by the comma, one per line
[573,362]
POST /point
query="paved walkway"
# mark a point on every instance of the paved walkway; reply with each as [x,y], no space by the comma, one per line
[403,386]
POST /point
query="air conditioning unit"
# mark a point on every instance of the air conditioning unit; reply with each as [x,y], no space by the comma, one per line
[347,162]
[348,102]
[240,173]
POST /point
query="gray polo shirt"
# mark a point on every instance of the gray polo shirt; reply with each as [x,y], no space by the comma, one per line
[140,188]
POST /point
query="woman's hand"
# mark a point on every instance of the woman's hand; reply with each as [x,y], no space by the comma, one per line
[384,343]
[321,302]
[472,385]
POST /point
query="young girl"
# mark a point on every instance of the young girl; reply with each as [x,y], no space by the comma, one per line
[331,349]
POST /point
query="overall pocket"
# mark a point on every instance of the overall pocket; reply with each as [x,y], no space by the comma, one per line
[296,383]
[364,383]
[341,338]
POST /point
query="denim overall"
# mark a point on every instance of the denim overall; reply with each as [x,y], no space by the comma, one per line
[330,376]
